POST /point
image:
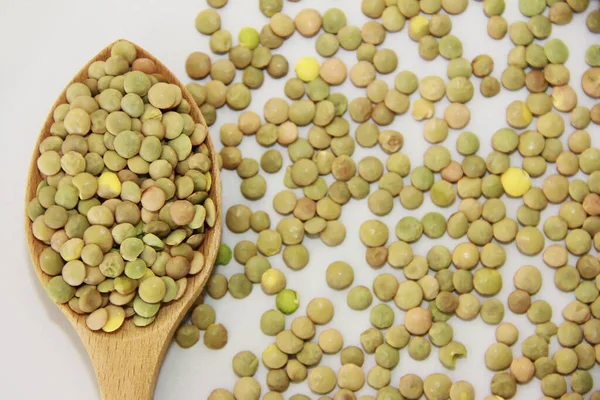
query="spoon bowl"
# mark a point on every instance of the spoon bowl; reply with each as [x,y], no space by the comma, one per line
[127,361]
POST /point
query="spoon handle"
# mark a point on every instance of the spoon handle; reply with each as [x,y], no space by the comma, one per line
[127,369]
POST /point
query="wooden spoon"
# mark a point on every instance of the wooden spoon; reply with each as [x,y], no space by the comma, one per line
[127,361]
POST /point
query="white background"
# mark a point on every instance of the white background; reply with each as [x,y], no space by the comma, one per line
[44,43]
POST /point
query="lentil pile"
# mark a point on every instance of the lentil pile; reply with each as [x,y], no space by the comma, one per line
[542,158]
[124,203]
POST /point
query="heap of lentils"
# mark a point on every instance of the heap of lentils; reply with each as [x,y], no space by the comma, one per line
[443,283]
[123,205]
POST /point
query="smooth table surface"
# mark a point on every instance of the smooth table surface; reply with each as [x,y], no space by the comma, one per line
[45,43]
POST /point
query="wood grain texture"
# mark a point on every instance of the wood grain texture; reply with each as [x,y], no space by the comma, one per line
[127,362]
